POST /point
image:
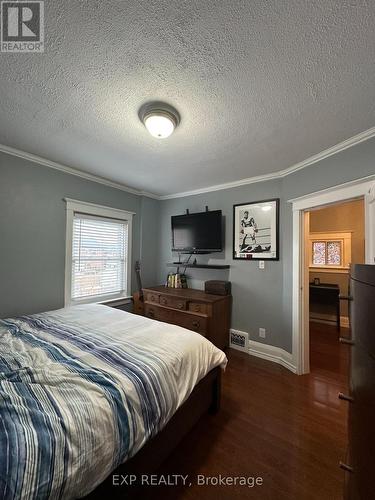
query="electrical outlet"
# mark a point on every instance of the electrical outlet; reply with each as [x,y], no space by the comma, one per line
[262,333]
[261,264]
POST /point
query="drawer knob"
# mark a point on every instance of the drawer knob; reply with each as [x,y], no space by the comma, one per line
[345,397]
[152,298]
[345,340]
[349,298]
[196,324]
[180,306]
[346,467]
[151,313]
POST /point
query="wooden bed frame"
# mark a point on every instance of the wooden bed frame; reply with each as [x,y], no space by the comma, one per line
[204,398]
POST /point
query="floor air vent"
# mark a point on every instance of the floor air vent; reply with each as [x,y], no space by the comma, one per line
[239,340]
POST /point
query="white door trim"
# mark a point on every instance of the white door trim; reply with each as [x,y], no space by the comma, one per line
[344,192]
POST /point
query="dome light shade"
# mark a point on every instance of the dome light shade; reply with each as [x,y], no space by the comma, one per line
[159,126]
[160,119]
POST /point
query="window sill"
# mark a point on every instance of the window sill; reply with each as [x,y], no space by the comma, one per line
[118,301]
[122,301]
[327,269]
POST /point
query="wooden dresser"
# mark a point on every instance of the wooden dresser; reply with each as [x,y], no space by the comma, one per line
[195,310]
[360,461]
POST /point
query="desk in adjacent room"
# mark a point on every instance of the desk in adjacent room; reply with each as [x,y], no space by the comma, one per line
[327,294]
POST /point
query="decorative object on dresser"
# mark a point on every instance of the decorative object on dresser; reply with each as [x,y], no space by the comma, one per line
[138,301]
[217,287]
[176,280]
[360,461]
[195,310]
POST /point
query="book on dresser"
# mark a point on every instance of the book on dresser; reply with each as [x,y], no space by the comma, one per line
[195,310]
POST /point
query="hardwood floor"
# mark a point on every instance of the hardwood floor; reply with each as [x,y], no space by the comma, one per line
[327,356]
[288,429]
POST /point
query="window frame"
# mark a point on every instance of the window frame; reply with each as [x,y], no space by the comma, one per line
[345,238]
[101,211]
[326,257]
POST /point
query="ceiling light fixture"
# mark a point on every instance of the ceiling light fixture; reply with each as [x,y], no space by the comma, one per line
[159,118]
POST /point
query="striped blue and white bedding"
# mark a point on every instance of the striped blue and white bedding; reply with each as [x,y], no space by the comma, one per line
[82,389]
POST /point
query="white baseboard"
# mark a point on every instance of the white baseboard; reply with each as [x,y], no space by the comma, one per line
[272,353]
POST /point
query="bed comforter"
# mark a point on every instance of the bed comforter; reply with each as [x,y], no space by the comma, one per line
[81,391]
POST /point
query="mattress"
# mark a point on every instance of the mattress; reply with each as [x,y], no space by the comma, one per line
[82,389]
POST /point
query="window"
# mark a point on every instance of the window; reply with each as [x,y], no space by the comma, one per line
[319,252]
[98,253]
[327,253]
[330,251]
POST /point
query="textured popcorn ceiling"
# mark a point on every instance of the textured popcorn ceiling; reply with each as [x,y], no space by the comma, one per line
[260,85]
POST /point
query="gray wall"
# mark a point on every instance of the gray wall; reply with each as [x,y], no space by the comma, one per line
[32,231]
[264,298]
[32,237]
[353,163]
[150,241]
[257,301]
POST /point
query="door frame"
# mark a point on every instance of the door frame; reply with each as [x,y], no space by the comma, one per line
[359,188]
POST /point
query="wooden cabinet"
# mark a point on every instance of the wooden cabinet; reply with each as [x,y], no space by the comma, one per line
[195,310]
[361,452]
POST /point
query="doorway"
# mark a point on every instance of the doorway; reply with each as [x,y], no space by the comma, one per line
[363,188]
[334,238]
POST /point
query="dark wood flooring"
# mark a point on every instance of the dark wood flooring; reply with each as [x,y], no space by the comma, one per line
[288,429]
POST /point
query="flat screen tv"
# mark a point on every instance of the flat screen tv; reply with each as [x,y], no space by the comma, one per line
[198,233]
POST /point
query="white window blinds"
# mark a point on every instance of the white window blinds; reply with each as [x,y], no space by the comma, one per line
[99,257]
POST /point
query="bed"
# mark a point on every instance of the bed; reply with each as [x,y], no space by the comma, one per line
[90,389]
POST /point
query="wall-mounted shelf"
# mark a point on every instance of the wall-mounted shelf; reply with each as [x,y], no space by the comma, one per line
[198,266]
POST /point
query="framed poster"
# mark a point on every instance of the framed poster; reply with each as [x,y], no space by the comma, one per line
[256,230]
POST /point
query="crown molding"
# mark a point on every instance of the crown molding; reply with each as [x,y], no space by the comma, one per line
[227,185]
[341,146]
[73,171]
[348,143]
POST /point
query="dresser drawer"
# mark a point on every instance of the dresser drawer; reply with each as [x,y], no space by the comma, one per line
[152,312]
[198,307]
[173,302]
[195,323]
[152,297]
[190,321]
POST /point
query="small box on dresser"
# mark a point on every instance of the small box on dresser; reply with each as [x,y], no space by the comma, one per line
[217,287]
[206,314]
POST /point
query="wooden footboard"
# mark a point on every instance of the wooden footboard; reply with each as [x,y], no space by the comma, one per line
[205,397]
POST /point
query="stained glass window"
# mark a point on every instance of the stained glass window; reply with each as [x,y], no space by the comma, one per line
[319,253]
[334,253]
[326,253]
